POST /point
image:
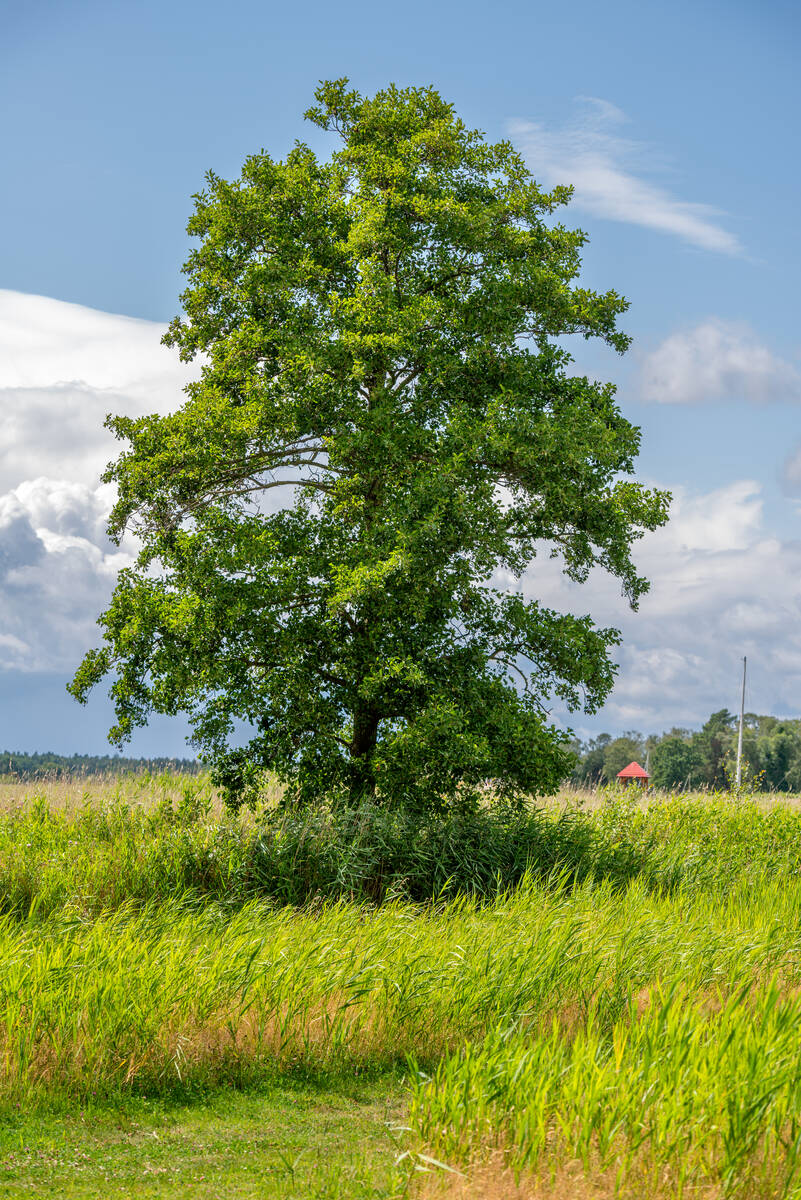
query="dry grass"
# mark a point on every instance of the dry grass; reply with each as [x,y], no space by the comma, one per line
[66,794]
[69,794]
[567,1180]
[634,1176]
[59,794]
[594,799]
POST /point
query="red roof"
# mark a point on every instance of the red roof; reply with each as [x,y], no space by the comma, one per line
[633,771]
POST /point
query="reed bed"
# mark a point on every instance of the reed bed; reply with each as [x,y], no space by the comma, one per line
[586,1003]
[132,844]
[166,995]
[675,1071]
[682,1094]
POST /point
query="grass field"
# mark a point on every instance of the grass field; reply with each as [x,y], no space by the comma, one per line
[614,1009]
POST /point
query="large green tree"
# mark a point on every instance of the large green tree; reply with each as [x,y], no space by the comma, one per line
[629,747]
[385,434]
[676,762]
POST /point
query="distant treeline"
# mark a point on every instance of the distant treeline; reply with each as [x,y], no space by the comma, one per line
[17,765]
[704,758]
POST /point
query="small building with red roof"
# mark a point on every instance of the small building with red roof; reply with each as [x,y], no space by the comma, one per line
[634,773]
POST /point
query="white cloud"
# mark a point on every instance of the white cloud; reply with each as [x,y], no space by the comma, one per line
[57,570]
[717,360]
[791,473]
[726,519]
[46,343]
[62,368]
[721,587]
[607,172]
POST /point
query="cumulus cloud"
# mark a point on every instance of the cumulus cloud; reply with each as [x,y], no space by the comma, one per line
[721,587]
[717,360]
[791,472]
[609,174]
[57,569]
[62,368]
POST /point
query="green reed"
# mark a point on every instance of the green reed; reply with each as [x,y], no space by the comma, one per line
[617,987]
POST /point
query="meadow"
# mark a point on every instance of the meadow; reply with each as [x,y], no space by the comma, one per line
[600,996]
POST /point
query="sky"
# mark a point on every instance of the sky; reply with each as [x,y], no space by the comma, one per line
[677,126]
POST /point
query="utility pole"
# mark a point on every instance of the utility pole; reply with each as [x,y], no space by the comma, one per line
[740,734]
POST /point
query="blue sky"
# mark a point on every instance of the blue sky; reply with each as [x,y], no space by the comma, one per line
[677,124]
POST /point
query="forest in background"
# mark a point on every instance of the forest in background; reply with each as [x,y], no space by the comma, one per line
[679,758]
[16,765]
[703,758]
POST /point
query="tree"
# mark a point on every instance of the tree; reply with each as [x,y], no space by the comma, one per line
[676,762]
[590,764]
[620,752]
[385,424]
[714,742]
[778,748]
[793,776]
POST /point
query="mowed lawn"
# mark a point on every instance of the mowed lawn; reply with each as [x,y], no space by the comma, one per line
[624,1020]
[284,1140]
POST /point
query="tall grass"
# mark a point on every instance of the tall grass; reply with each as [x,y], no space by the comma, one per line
[675,1068]
[135,846]
[680,1094]
[96,855]
[167,994]
[618,988]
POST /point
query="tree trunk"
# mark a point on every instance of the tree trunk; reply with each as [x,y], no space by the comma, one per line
[362,748]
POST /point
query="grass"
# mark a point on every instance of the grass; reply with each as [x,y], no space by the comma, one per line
[295,1141]
[137,842]
[597,1000]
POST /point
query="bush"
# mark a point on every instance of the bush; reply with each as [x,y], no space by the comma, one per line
[371,853]
[106,856]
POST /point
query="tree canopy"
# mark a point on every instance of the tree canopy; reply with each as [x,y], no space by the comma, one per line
[386,432]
